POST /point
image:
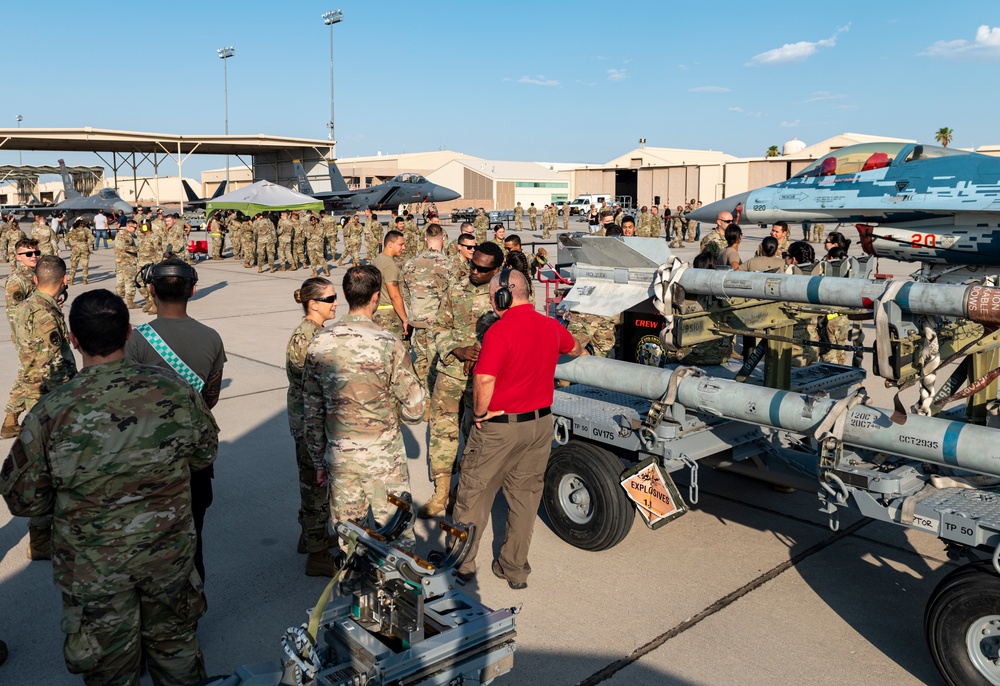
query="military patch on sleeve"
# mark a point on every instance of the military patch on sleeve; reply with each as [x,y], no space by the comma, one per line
[55,338]
[17,296]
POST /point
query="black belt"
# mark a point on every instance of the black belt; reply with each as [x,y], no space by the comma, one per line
[523,417]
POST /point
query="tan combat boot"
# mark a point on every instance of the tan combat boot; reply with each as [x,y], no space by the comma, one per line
[340,262]
[439,501]
[314,273]
[260,269]
[131,304]
[39,544]
[328,271]
[10,427]
[85,280]
[321,563]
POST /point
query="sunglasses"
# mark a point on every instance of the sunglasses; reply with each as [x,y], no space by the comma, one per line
[476,268]
[470,246]
[726,221]
[31,253]
[330,299]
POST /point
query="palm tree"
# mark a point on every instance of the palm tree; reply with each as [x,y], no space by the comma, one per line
[943,136]
[772,151]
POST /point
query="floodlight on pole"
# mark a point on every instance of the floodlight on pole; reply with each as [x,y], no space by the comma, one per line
[330,18]
[19,119]
[224,54]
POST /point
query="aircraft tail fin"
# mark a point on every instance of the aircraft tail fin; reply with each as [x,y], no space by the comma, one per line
[302,179]
[220,190]
[68,190]
[337,183]
[189,193]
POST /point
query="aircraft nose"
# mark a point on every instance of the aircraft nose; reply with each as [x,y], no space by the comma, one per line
[442,194]
[124,207]
[707,213]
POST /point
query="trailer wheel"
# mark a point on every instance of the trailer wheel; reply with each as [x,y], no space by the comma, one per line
[583,497]
[962,624]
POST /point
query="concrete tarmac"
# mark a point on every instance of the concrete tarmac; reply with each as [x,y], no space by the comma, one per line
[750,587]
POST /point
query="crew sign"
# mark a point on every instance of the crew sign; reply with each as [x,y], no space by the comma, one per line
[654,494]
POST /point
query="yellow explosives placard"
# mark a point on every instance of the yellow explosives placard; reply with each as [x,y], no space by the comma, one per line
[654,493]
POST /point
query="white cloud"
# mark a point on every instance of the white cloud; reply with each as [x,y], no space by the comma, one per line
[627,60]
[789,53]
[789,124]
[819,96]
[738,110]
[682,67]
[538,81]
[588,84]
[709,89]
[617,74]
[986,45]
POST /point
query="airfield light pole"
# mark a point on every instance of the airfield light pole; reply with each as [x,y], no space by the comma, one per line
[19,160]
[224,54]
[330,18]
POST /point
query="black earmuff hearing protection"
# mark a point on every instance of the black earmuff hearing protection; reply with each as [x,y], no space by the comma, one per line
[503,298]
[151,272]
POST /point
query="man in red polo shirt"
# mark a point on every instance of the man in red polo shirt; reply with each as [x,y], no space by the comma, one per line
[509,443]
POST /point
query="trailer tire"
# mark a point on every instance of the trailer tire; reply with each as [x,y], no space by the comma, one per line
[583,497]
[962,625]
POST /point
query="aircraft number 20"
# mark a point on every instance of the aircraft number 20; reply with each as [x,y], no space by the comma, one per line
[923,240]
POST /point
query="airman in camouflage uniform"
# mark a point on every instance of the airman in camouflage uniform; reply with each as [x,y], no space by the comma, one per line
[20,283]
[594,330]
[330,228]
[518,217]
[655,222]
[159,227]
[5,227]
[715,241]
[373,235]
[481,223]
[412,236]
[425,278]
[565,216]
[353,232]
[174,236]
[533,216]
[125,571]
[14,234]
[266,238]
[314,497]
[547,215]
[286,230]
[314,246]
[235,229]
[150,252]
[462,320]
[357,384]
[47,239]
[45,361]
[300,236]
[818,232]
[81,243]
[642,223]
[216,236]
[126,264]
[249,239]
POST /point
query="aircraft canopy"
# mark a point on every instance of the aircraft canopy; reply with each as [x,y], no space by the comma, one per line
[407,177]
[869,156]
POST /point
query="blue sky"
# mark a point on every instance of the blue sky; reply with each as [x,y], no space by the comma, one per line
[545,81]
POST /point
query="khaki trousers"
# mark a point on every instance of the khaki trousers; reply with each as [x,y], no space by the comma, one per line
[513,457]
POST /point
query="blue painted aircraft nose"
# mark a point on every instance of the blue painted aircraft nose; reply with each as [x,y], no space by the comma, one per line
[707,213]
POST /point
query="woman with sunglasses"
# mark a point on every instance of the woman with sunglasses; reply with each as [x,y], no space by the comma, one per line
[319,302]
